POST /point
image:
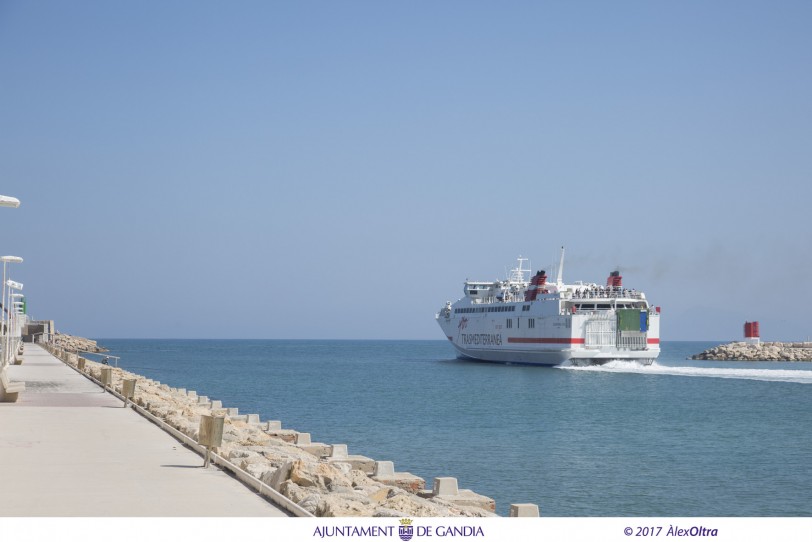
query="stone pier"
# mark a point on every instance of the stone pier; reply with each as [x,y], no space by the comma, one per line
[315,478]
[765,351]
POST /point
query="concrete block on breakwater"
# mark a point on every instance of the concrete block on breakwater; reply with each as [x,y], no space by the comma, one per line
[285,435]
[524,510]
[385,473]
[361,463]
[446,490]
[339,451]
[318,449]
[340,454]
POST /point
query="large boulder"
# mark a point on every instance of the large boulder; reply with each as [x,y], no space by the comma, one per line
[316,474]
[335,505]
[404,503]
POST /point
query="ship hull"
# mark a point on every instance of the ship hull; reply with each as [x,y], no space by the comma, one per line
[552,358]
[513,357]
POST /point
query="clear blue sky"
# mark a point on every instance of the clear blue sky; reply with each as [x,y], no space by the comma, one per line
[337,169]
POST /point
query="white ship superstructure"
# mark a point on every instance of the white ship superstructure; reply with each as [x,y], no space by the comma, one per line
[537,322]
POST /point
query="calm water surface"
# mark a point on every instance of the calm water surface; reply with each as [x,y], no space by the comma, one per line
[678,438]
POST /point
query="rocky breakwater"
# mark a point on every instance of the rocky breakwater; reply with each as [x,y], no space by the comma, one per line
[767,351]
[72,343]
[323,479]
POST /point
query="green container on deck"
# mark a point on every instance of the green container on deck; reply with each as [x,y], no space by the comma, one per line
[632,320]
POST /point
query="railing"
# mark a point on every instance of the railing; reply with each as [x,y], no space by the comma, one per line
[584,294]
[600,331]
[105,358]
[607,294]
[631,340]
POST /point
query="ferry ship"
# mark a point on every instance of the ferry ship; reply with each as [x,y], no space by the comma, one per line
[541,322]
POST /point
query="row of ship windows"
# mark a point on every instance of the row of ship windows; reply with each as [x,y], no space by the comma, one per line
[498,308]
[605,306]
[531,323]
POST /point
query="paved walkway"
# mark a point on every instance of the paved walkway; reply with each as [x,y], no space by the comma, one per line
[67,448]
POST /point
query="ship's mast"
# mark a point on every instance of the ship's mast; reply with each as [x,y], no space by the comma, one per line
[517,274]
[560,268]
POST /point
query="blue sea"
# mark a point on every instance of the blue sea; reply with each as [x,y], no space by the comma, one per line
[677,438]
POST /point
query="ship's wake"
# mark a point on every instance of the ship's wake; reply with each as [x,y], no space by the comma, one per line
[801,376]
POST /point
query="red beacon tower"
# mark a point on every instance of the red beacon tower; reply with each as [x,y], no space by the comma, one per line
[751,333]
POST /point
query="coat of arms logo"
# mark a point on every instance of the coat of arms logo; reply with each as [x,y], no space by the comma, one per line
[405,531]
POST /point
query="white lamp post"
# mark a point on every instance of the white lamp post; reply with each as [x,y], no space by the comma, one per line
[15,331]
[16,325]
[9,352]
[6,260]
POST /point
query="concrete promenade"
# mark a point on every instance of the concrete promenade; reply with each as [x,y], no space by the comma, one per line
[67,448]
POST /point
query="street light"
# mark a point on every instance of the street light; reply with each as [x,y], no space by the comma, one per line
[18,317]
[8,201]
[7,260]
[9,352]
[19,312]
[17,302]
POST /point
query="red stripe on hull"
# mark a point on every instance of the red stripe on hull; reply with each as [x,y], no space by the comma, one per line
[654,341]
[545,340]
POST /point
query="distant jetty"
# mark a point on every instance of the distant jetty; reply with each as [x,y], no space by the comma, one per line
[75,344]
[768,351]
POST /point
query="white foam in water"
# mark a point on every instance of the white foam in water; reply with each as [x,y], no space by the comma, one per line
[773,375]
